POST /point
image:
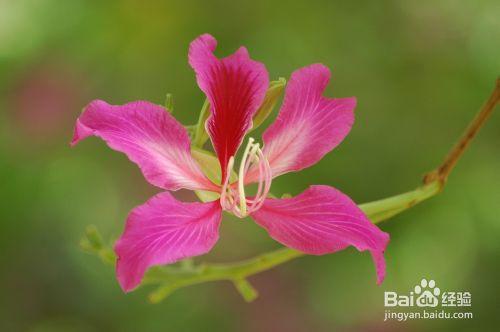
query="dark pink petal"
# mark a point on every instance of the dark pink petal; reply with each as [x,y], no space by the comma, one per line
[163,231]
[150,137]
[235,87]
[322,220]
[308,125]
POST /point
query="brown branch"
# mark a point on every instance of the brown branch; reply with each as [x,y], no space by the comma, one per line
[442,172]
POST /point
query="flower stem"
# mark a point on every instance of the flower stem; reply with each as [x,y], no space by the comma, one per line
[171,278]
[386,208]
[442,172]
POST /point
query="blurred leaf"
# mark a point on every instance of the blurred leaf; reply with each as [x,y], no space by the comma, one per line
[273,94]
[92,242]
[169,103]
[200,133]
[210,165]
[191,130]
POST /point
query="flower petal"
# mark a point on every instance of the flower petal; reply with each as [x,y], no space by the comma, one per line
[150,137]
[235,87]
[163,231]
[308,125]
[322,220]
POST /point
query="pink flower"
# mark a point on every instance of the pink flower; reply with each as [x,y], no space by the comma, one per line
[164,230]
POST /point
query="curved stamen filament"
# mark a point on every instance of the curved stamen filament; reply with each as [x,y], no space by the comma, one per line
[234,199]
[224,190]
[265,178]
[241,179]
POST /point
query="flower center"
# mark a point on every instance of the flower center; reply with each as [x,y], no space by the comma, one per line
[233,197]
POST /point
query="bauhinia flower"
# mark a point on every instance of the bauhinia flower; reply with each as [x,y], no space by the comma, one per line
[319,221]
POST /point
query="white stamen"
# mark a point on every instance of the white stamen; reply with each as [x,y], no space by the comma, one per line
[266,180]
[241,179]
[234,199]
[223,195]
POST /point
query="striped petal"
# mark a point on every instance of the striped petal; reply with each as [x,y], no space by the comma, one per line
[150,137]
[308,125]
[235,87]
[163,231]
[322,220]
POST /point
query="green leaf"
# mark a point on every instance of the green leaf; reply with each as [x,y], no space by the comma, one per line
[200,134]
[208,163]
[94,238]
[169,103]
[206,196]
[210,166]
[272,96]
[191,130]
[92,242]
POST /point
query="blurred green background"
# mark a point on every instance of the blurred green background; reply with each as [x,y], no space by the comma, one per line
[420,70]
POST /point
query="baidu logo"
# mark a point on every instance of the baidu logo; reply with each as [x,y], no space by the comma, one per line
[425,294]
[423,300]
[428,293]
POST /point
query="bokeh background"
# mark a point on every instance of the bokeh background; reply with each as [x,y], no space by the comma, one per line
[420,70]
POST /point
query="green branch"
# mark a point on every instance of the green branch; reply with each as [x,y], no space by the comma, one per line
[170,278]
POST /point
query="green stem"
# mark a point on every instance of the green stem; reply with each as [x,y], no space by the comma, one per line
[246,289]
[172,278]
[386,208]
[238,272]
[235,272]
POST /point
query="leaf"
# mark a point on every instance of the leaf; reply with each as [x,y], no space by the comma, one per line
[200,133]
[93,243]
[208,163]
[169,103]
[210,166]
[272,96]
